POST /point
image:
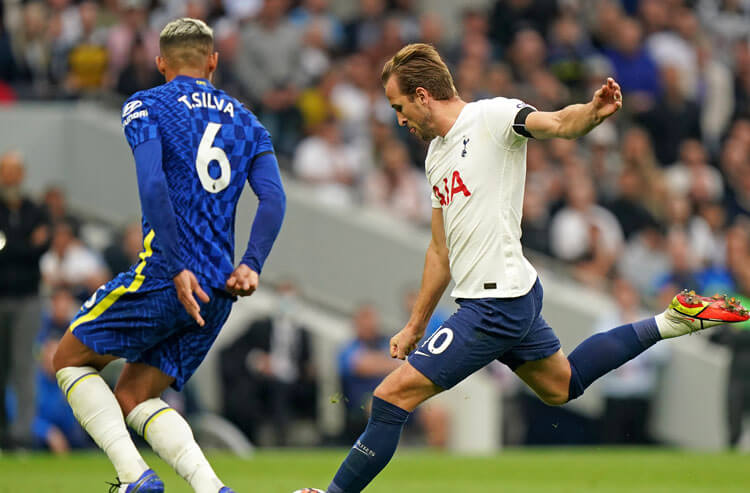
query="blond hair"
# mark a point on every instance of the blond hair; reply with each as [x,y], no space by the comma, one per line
[419,65]
[186,41]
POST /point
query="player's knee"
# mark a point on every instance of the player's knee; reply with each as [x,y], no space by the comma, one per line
[554,398]
[386,391]
[127,399]
[60,360]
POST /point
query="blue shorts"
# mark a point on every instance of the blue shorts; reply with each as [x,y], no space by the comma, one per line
[142,321]
[510,330]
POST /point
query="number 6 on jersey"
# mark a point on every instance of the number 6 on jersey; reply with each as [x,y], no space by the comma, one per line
[208,153]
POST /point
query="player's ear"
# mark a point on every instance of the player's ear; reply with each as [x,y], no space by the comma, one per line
[161,65]
[422,95]
[213,62]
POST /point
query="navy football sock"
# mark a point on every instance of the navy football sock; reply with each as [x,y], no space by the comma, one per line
[373,450]
[603,352]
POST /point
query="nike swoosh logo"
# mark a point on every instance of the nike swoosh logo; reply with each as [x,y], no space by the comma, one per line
[421,353]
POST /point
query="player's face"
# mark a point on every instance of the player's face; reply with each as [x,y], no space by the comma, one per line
[412,113]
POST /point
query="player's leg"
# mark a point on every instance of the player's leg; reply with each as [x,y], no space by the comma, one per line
[393,400]
[172,361]
[442,360]
[557,379]
[138,391]
[94,405]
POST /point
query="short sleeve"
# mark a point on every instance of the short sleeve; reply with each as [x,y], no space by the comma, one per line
[139,120]
[435,200]
[500,117]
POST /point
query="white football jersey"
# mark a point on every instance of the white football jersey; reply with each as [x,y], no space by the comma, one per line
[477,173]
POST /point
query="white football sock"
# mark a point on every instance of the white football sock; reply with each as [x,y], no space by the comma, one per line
[96,408]
[171,437]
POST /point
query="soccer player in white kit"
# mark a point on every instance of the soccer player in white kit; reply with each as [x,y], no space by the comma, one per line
[476,166]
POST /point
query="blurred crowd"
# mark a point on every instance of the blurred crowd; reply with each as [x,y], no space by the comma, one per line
[656,199]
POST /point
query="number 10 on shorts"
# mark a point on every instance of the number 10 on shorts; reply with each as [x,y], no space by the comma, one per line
[439,340]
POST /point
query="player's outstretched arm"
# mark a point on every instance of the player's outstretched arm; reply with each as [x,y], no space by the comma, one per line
[576,120]
[265,180]
[435,279]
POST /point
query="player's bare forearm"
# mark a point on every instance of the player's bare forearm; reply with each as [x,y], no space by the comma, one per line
[576,120]
[435,278]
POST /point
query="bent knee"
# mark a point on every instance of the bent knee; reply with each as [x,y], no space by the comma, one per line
[127,399]
[554,398]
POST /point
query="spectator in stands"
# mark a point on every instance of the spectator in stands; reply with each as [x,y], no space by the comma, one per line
[8,69]
[432,31]
[628,206]
[85,57]
[268,67]
[635,70]
[353,97]
[569,47]
[685,269]
[56,206]
[319,12]
[629,390]
[692,171]
[585,233]
[397,187]
[364,30]
[672,119]
[509,16]
[727,21]
[140,73]
[363,363]
[70,264]
[124,251]
[315,103]
[24,236]
[675,47]
[32,51]
[535,220]
[329,165]
[715,98]
[268,374]
[742,79]
[133,27]
[637,152]
[605,163]
[644,260]
[54,427]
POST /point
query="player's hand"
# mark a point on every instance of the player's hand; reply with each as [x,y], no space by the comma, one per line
[405,342]
[186,284]
[607,100]
[243,281]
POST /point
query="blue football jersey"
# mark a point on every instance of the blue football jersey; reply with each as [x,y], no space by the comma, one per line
[209,142]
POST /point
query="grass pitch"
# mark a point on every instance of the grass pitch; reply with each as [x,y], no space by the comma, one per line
[412,471]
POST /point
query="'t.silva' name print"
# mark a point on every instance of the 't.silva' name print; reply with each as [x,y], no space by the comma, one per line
[448,193]
[207,100]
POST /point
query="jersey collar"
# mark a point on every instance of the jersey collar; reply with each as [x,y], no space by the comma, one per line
[196,80]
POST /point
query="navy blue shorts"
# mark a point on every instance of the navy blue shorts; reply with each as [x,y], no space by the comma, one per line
[144,322]
[510,330]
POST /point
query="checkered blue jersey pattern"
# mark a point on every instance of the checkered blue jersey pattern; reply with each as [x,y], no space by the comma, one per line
[209,143]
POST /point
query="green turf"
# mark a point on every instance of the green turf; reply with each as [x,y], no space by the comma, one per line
[528,470]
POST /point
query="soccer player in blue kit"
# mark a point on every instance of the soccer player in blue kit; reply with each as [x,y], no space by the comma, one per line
[476,166]
[194,148]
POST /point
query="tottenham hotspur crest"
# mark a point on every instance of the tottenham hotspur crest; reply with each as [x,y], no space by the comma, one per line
[464,151]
